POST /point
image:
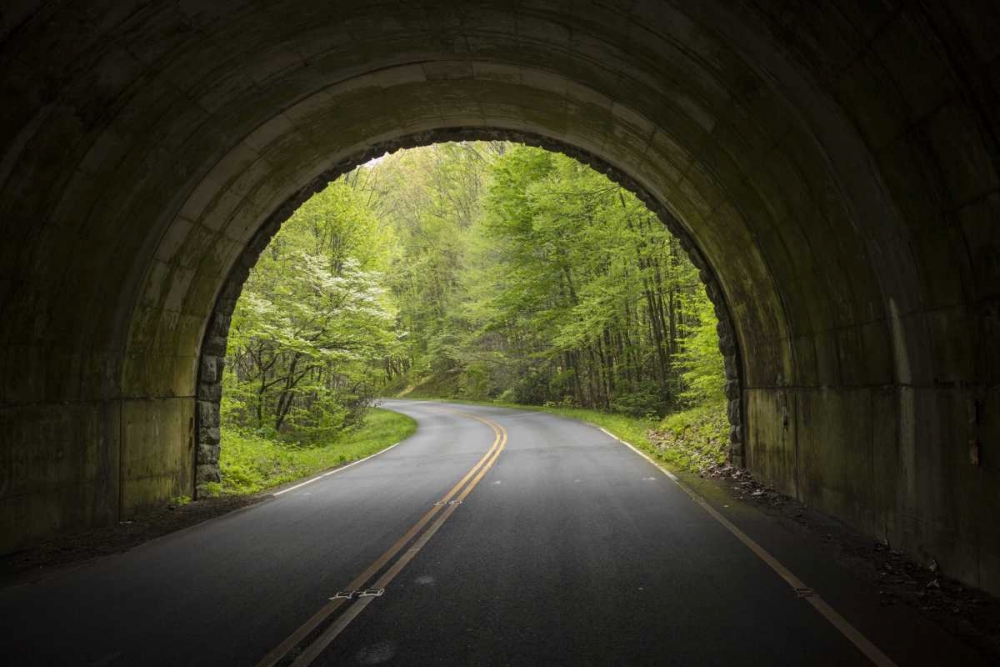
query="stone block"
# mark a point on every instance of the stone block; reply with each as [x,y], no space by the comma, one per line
[834,453]
[214,345]
[209,369]
[732,389]
[730,366]
[733,409]
[207,473]
[770,451]
[964,160]
[981,234]
[209,435]
[870,96]
[208,414]
[157,456]
[211,392]
[911,56]
[208,455]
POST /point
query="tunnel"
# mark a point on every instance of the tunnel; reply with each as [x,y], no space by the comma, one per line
[830,167]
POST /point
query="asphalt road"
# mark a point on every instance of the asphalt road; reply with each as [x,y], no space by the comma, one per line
[500,537]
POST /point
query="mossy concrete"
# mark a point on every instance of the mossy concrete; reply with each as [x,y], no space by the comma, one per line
[833,172]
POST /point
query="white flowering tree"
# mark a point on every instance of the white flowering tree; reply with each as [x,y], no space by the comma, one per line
[313,327]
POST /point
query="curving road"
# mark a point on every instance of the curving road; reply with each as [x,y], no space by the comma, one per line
[491,537]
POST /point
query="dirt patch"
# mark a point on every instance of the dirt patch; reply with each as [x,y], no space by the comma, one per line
[964,612]
[37,562]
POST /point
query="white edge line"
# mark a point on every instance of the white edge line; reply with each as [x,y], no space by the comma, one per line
[335,470]
[867,647]
[641,453]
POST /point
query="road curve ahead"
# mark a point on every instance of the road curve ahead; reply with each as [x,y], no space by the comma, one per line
[491,537]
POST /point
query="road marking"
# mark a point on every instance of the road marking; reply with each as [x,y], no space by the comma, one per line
[802,591]
[324,640]
[444,506]
[335,470]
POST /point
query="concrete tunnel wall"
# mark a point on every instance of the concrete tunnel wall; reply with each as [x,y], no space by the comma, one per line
[835,164]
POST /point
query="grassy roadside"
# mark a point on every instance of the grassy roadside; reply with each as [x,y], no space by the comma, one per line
[694,439]
[684,441]
[251,464]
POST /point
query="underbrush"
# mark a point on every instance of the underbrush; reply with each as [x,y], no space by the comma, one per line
[694,439]
[251,463]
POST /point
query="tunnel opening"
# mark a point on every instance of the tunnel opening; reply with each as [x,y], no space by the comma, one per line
[836,166]
[213,365]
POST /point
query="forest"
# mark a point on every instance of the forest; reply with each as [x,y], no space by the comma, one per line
[476,271]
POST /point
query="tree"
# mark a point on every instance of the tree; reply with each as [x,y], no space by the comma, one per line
[314,323]
[558,286]
[483,270]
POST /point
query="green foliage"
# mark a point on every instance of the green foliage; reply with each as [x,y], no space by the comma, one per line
[695,438]
[530,276]
[702,370]
[432,198]
[251,463]
[471,270]
[314,324]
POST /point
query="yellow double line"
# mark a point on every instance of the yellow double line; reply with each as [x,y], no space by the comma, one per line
[442,509]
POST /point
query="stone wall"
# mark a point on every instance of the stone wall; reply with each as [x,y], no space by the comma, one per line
[836,166]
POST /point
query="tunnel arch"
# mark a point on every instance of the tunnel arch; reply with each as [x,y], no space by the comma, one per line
[213,348]
[836,166]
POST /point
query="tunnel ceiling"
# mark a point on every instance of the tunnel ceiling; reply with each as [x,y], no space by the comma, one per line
[835,164]
[164,135]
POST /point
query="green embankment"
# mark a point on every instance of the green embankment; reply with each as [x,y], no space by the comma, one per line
[696,438]
[251,464]
[684,441]
[689,440]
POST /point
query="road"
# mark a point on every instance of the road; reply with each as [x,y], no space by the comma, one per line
[499,537]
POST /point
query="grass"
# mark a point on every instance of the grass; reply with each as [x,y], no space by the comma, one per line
[251,464]
[696,438]
[688,440]
[684,441]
